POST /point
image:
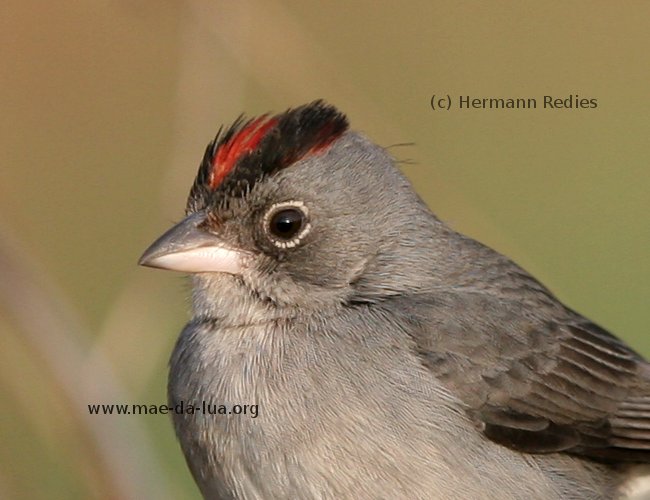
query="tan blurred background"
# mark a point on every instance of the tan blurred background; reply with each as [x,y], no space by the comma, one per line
[106,107]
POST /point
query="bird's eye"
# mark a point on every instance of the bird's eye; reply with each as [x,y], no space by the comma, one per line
[287,223]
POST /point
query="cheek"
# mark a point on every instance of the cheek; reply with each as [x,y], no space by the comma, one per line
[326,257]
[264,266]
[331,267]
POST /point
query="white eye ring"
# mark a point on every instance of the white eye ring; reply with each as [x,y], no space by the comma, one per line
[293,240]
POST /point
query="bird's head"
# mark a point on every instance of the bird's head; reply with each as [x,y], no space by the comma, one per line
[294,211]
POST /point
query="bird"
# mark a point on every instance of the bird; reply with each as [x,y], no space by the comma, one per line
[388,356]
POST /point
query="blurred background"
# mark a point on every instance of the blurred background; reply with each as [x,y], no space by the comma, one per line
[106,108]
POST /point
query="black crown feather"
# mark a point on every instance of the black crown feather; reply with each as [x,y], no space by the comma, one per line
[251,149]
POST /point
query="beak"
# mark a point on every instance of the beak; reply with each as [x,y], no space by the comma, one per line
[190,249]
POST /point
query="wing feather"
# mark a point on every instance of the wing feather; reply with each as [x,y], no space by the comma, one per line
[534,384]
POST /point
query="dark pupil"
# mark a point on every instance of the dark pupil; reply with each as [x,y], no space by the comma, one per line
[286,223]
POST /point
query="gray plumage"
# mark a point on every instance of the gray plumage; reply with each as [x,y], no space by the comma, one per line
[390,356]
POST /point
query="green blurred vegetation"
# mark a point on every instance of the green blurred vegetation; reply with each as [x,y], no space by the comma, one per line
[106,109]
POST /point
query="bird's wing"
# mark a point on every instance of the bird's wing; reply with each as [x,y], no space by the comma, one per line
[536,384]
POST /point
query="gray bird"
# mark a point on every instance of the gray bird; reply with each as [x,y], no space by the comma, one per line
[389,356]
